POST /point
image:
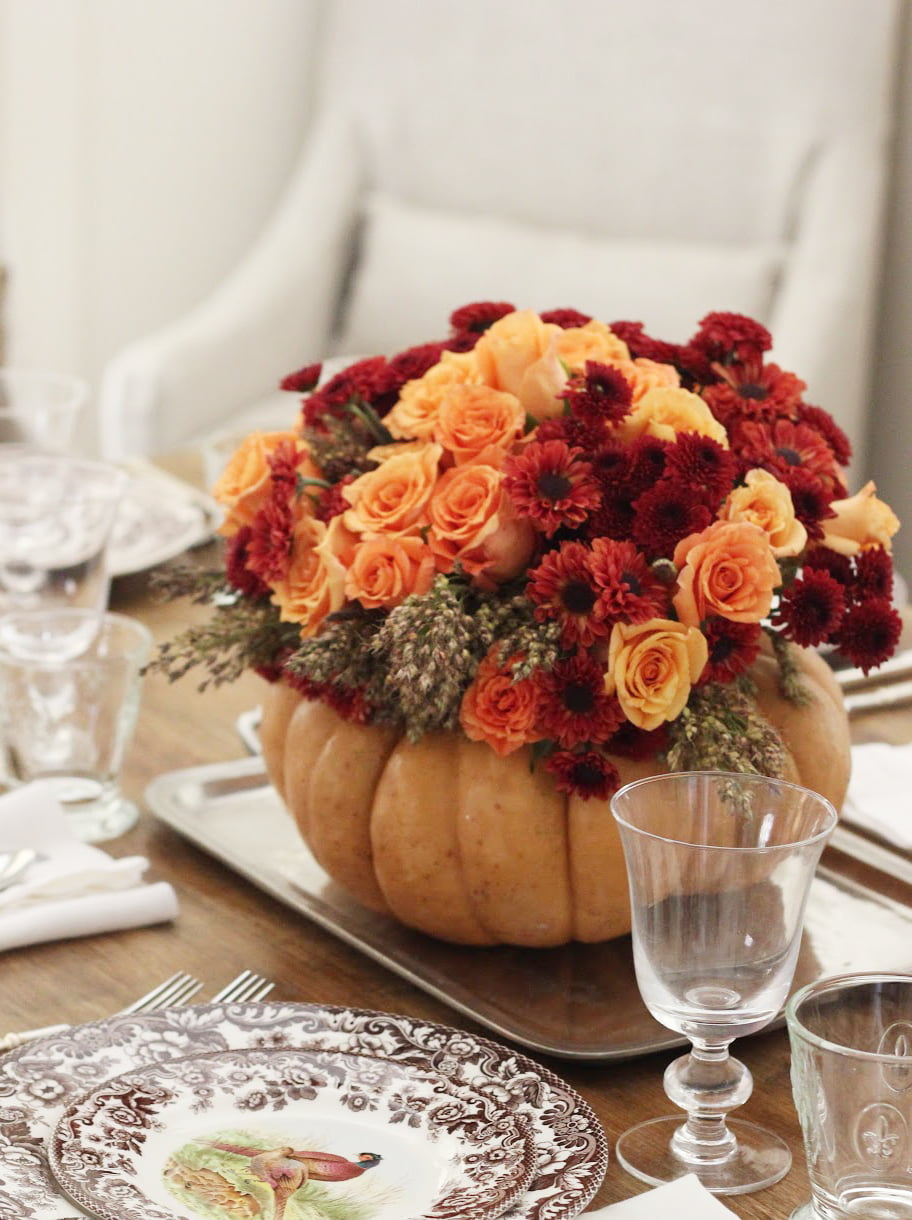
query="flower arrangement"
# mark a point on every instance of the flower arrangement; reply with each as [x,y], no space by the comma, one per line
[547,531]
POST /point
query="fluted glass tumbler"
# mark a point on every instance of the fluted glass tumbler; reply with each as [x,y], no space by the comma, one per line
[719,867]
[40,408]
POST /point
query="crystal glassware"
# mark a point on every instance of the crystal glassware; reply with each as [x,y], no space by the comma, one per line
[719,867]
[40,408]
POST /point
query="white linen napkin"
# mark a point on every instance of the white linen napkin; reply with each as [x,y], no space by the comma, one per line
[880,791]
[685,1199]
[73,889]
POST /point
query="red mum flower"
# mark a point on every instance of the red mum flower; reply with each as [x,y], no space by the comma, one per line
[331,502]
[726,337]
[587,773]
[283,468]
[665,514]
[627,587]
[477,317]
[810,500]
[783,446]
[361,380]
[733,648]
[304,380]
[562,588]
[613,518]
[755,390]
[701,463]
[601,394]
[588,435]
[463,342]
[565,318]
[810,609]
[646,458]
[822,559]
[829,430]
[239,575]
[270,540]
[873,574]
[409,365]
[573,705]
[869,633]
[549,484]
[641,344]
[632,742]
[347,702]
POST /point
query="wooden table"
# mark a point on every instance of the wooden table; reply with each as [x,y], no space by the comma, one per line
[226,924]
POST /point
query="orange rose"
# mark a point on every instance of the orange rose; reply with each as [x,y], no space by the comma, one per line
[393,499]
[415,414]
[594,341]
[518,354]
[473,418]
[472,522]
[652,667]
[384,571]
[645,375]
[727,569]
[497,709]
[766,502]
[244,486]
[314,585]
[664,411]
[861,521]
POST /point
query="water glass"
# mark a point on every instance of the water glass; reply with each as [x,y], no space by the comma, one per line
[40,408]
[851,1040]
[69,719]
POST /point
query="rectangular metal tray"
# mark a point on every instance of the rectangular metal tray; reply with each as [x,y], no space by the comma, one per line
[574,1002]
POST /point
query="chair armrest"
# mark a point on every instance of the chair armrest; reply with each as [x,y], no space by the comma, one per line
[273,313]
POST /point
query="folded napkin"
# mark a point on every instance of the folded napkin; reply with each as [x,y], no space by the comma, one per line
[73,889]
[685,1199]
[878,796]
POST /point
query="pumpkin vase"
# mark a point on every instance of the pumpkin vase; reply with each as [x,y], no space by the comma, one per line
[456,841]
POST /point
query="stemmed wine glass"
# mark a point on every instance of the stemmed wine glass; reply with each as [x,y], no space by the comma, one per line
[720,867]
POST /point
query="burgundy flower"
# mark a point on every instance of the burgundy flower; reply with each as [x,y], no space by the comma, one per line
[585,773]
[270,540]
[810,609]
[331,502]
[641,344]
[239,576]
[408,365]
[700,463]
[637,744]
[810,499]
[573,705]
[304,380]
[627,587]
[601,394]
[477,317]
[869,633]
[562,588]
[565,318]
[755,390]
[733,648]
[782,446]
[873,574]
[825,560]
[829,430]
[585,434]
[550,484]
[665,514]
[646,464]
[361,380]
[726,337]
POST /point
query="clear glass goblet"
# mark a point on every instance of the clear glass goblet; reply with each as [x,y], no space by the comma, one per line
[719,867]
[56,517]
[40,408]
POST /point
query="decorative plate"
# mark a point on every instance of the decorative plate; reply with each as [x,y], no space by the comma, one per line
[286,1134]
[40,1080]
[159,518]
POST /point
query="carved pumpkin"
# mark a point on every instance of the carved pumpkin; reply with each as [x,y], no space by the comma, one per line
[452,839]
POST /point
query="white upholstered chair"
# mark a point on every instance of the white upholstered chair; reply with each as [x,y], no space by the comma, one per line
[648,161]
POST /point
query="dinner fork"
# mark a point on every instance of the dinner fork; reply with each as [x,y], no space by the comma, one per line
[247,986]
[171,992]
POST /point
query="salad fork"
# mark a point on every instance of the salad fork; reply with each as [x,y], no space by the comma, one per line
[247,986]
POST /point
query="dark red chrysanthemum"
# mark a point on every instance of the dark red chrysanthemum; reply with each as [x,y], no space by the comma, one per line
[270,540]
[873,574]
[602,393]
[477,317]
[665,514]
[565,318]
[839,566]
[727,337]
[627,587]
[646,464]
[754,390]
[284,461]
[701,464]
[408,365]
[641,344]
[238,574]
[632,742]
[869,633]
[733,648]
[361,380]
[614,516]
[810,499]
[585,434]
[562,588]
[573,705]
[810,609]
[586,773]
[782,446]
[551,485]
[304,380]
[816,417]
[463,342]
[331,502]
[347,702]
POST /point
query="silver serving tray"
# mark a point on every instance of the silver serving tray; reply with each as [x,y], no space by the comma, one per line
[575,1002]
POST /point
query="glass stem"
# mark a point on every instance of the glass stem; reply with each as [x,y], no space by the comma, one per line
[707,1083]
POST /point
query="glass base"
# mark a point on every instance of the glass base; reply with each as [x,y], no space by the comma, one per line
[102,821]
[759,1159]
[805,1212]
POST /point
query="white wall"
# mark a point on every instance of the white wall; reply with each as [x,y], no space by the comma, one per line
[142,144]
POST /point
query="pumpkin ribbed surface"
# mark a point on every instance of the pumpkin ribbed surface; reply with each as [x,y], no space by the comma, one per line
[455,841]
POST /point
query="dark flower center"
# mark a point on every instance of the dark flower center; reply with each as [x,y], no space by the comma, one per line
[751,390]
[632,583]
[578,597]
[791,456]
[578,698]
[586,776]
[553,486]
[722,649]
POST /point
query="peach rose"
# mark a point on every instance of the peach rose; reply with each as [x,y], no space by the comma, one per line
[315,582]
[498,710]
[393,499]
[664,411]
[765,501]
[518,354]
[594,341]
[385,571]
[727,569]
[645,375]
[415,413]
[475,418]
[652,667]
[473,522]
[861,521]
[244,486]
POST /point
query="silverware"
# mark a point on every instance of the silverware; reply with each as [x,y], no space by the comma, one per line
[898,666]
[878,697]
[247,986]
[14,863]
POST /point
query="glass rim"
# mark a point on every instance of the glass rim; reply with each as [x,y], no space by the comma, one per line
[741,776]
[145,641]
[832,984]
[72,381]
[108,480]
